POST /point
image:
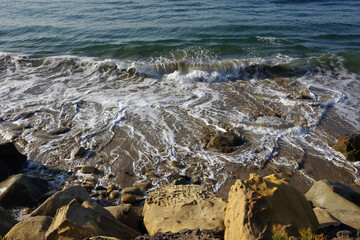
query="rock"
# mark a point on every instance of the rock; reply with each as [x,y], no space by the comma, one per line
[125,213]
[89,170]
[131,190]
[262,206]
[111,187]
[22,190]
[79,153]
[31,228]
[109,176]
[333,195]
[186,234]
[144,185]
[75,221]
[6,221]
[176,164]
[60,131]
[10,160]
[176,207]
[59,199]
[102,238]
[151,175]
[349,146]
[114,195]
[128,198]
[223,142]
[334,217]
[99,187]
[210,180]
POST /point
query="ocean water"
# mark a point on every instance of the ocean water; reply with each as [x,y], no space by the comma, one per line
[140,83]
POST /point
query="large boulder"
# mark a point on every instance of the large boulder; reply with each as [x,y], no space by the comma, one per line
[59,199]
[334,217]
[6,221]
[333,195]
[22,190]
[176,207]
[31,228]
[126,214]
[349,146]
[262,206]
[76,221]
[10,160]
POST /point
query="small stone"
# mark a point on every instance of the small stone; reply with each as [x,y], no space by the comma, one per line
[114,195]
[71,178]
[28,210]
[196,181]
[176,164]
[151,175]
[95,194]
[109,176]
[128,198]
[131,190]
[111,187]
[209,180]
[181,181]
[90,180]
[357,182]
[144,185]
[252,167]
[79,153]
[89,170]
[87,185]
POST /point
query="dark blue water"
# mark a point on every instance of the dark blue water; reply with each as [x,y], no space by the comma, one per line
[137,29]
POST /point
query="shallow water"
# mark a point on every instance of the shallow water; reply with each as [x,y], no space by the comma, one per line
[139,84]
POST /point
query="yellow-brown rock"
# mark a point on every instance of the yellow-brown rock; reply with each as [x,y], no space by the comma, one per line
[176,207]
[262,206]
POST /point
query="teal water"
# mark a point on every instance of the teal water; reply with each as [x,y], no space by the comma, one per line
[137,29]
[141,83]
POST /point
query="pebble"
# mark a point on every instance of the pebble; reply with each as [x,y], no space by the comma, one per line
[114,195]
[144,185]
[111,187]
[209,180]
[357,182]
[196,181]
[79,153]
[151,175]
[28,210]
[88,170]
[131,190]
[88,185]
[109,176]
[176,164]
[90,180]
[127,198]
[99,187]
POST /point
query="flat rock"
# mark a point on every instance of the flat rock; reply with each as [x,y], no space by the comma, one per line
[329,217]
[262,206]
[10,160]
[59,199]
[22,190]
[176,207]
[31,228]
[6,221]
[76,221]
[333,195]
[349,146]
[126,214]
[131,190]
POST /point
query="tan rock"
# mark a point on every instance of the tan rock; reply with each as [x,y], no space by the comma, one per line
[128,198]
[262,206]
[151,175]
[31,228]
[131,190]
[75,221]
[176,207]
[114,195]
[125,213]
[333,195]
[144,185]
[176,164]
[89,170]
[223,142]
[59,199]
[329,217]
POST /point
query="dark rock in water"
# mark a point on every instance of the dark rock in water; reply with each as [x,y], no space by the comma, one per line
[59,199]
[179,179]
[60,131]
[10,160]
[30,228]
[22,190]
[186,234]
[89,170]
[6,221]
[79,153]
[79,221]
[349,146]
[223,142]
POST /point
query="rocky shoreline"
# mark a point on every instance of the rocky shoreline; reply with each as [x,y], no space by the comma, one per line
[261,207]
